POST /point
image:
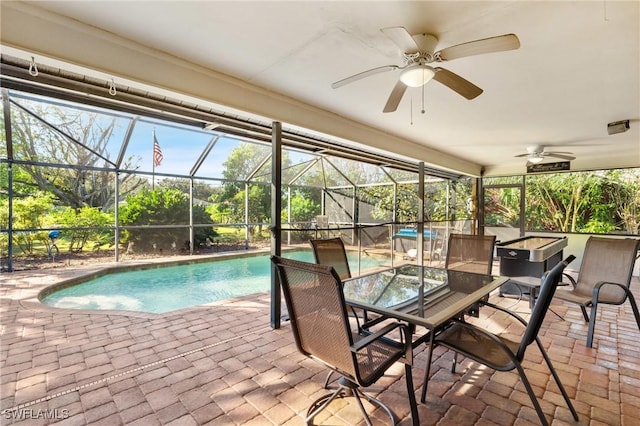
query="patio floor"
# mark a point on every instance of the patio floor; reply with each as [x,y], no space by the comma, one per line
[222,364]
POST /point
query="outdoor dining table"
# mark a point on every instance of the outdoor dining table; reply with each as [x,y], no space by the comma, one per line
[419,295]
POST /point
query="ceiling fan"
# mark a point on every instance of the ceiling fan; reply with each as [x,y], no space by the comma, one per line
[418,52]
[535,154]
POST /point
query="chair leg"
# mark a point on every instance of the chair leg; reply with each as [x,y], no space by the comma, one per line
[328,379]
[321,403]
[634,306]
[532,395]
[557,379]
[346,388]
[453,364]
[592,325]
[584,313]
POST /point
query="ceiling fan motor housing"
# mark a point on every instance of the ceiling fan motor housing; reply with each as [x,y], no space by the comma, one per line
[426,46]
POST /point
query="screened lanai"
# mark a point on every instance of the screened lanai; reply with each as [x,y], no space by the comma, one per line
[122,174]
[96,172]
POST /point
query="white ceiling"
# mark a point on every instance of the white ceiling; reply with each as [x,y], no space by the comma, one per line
[577,69]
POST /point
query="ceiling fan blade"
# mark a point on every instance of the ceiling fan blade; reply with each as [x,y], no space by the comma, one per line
[395,97]
[561,156]
[401,37]
[478,47]
[364,74]
[523,155]
[559,152]
[456,83]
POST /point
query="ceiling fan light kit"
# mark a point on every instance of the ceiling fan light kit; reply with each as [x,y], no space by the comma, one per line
[417,75]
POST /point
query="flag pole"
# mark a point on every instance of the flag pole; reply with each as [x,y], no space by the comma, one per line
[153,160]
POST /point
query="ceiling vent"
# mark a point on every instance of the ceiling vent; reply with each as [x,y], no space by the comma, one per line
[618,127]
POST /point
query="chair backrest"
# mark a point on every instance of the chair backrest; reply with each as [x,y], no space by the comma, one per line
[470,253]
[316,307]
[331,252]
[548,287]
[607,259]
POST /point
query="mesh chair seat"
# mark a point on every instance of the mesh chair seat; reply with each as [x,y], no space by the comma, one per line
[375,359]
[579,297]
[480,346]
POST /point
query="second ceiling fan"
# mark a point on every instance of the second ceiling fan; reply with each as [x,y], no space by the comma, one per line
[418,52]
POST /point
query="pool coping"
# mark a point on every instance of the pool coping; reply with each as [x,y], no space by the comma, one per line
[27,287]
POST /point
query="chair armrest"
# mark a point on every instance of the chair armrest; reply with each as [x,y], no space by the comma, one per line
[599,284]
[368,324]
[367,340]
[571,279]
[405,342]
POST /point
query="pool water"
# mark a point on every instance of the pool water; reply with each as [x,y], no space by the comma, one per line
[165,289]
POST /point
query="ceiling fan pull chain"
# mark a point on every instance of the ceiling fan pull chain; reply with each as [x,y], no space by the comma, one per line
[411,110]
[423,110]
[33,67]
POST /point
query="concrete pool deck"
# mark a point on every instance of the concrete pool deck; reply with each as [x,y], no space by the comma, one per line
[222,364]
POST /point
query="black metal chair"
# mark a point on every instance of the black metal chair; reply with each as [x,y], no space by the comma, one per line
[604,277]
[470,253]
[321,328]
[331,251]
[501,353]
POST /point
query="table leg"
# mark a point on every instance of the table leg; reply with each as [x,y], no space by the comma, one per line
[415,419]
[427,368]
[532,297]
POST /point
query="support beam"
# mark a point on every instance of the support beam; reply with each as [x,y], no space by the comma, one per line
[276,220]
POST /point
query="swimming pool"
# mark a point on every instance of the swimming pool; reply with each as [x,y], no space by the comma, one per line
[165,289]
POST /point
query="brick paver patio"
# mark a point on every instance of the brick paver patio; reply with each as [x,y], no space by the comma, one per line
[222,364]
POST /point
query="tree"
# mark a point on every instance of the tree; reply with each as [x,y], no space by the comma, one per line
[626,196]
[305,206]
[201,190]
[29,213]
[242,161]
[89,220]
[79,143]
[569,202]
[163,207]
[382,199]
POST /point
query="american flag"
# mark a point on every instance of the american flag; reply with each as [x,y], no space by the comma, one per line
[157,152]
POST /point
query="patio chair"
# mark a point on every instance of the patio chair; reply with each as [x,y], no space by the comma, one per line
[501,353]
[331,251]
[604,277]
[320,325]
[470,253]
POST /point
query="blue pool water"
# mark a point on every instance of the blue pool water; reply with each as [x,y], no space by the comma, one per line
[166,289]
